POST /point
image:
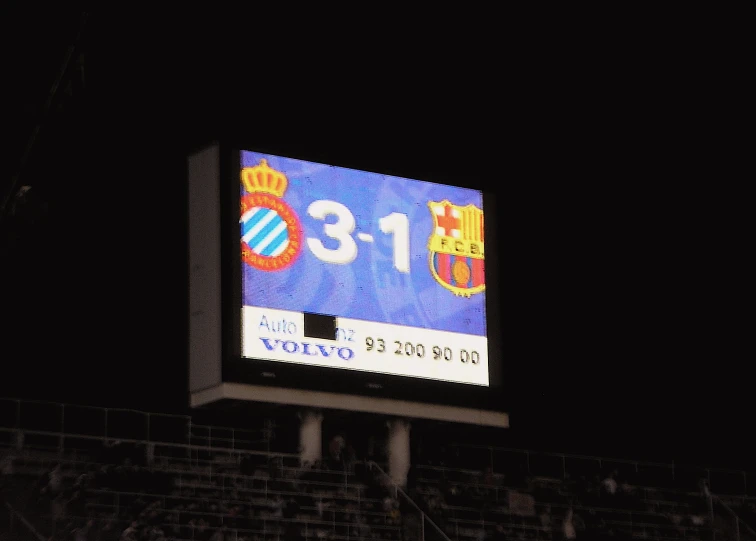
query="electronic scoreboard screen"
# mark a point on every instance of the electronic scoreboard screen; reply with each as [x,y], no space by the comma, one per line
[360,271]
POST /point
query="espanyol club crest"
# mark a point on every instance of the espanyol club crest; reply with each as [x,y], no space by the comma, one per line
[456,248]
[271,235]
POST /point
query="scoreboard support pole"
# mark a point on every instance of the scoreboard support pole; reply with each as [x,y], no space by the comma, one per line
[310,436]
[399,451]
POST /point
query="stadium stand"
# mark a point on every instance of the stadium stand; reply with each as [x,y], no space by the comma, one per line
[89,474]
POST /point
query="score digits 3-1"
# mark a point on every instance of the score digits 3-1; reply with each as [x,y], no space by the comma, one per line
[272,237]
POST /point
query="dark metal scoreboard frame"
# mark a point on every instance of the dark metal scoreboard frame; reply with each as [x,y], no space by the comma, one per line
[217,370]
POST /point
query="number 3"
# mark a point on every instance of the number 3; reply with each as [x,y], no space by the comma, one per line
[340,231]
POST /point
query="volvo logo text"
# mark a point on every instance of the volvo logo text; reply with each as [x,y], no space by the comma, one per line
[305,348]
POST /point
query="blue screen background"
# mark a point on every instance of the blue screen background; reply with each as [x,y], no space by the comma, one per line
[369,288]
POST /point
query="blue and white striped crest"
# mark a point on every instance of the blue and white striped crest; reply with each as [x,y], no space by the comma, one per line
[264,231]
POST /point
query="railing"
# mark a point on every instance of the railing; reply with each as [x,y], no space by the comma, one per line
[120,424]
[493,514]
[646,492]
[732,525]
[181,467]
[331,520]
[416,526]
[252,488]
[619,518]
[177,437]
[43,439]
[133,425]
[243,484]
[496,493]
[266,526]
[14,515]
[115,497]
[199,475]
[562,465]
[642,522]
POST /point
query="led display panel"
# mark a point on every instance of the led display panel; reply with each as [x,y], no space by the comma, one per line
[396,265]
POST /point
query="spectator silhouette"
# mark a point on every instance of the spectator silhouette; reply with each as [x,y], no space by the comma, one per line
[609,484]
[54,482]
[336,451]
[571,524]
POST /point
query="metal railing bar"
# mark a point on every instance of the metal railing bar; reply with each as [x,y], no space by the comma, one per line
[424,515]
[669,465]
[274,520]
[637,487]
[29,526]
[133,440]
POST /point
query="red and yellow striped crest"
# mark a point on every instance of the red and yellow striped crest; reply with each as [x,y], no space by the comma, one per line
[456,247]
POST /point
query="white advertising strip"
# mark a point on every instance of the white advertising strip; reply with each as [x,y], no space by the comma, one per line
[278,335]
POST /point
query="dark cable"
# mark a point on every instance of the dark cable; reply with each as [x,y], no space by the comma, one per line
[45,111]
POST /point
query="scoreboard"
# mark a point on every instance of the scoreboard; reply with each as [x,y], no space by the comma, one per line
[399,264]
[314,284]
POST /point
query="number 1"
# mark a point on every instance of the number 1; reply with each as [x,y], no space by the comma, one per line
[398,224]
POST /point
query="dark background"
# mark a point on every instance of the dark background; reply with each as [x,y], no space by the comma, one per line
[626,277]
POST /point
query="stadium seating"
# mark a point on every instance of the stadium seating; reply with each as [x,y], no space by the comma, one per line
[189,499]
[534,506]
[196,482]
[210,491]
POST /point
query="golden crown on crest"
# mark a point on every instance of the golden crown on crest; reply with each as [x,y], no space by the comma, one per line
[263,179]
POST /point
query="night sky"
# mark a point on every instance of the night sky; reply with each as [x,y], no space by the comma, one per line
[627,285]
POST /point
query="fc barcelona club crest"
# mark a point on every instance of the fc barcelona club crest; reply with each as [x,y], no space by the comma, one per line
[271,235]
[456,248]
